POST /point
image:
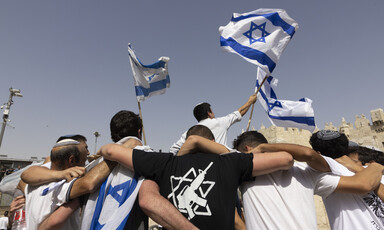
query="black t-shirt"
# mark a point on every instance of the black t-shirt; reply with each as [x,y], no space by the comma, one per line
[202,186]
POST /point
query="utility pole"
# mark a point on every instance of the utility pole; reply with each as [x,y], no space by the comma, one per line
[13,93]
[97,134]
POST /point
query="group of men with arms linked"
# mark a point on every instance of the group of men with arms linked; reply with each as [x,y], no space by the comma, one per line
[196,185]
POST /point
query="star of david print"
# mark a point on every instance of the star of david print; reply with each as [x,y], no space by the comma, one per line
[189,192]
[254,27]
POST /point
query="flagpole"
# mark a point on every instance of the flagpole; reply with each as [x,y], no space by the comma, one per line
[253,106]
[141,116]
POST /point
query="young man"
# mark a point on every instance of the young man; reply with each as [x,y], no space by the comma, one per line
[202,186]
[345,211]
[126,129]
[219,126]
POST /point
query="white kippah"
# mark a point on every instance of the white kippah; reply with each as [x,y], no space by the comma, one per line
[66,142]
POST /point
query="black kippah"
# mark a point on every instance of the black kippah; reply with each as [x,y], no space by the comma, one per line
[327,135]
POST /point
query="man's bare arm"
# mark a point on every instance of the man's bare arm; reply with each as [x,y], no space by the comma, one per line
[362,182]
[299,153]
[118,153]
[264,163]
[92,180]
[58,218]
[196,143]
[354,167]
[160,209]
[244,108]
[38,175]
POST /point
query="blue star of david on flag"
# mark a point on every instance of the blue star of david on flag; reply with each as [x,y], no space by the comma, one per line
[254,27]
[259,36]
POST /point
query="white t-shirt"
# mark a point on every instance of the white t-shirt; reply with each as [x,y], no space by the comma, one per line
[349,211]
[284,199]
[3,223]
[38,207]
[219,127]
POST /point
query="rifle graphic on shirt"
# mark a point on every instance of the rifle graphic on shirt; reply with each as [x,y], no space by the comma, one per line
[187,197]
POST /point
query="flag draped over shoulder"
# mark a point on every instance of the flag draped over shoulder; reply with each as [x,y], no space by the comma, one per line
[259,36]
[111,206]
[149,79]
[284,113]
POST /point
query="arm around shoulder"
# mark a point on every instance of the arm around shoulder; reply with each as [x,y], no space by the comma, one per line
[264,163]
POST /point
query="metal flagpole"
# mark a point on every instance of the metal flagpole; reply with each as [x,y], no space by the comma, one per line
[253,106]
[141,116]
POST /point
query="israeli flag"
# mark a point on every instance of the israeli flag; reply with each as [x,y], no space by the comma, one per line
[109,208]
[149,79]
[284,113]
[260,36]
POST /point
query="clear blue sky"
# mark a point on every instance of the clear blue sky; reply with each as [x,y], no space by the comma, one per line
[69,59]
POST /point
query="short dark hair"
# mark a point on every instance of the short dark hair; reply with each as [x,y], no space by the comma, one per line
[59,155]
[201,130]
[367,155]
[330,143]
[249,138]
[201,111]
[125,123]
[76,137]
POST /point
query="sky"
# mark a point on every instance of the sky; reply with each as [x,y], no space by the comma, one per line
[70,61]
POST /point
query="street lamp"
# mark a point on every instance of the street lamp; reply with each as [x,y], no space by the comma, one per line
[13,93]
[97,134]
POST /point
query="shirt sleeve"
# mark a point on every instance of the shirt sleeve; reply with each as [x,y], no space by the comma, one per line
[244,164]
[230,119]
[150,164]
[177,145]
[326,184]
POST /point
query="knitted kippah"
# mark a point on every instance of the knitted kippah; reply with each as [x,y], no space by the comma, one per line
[327,135]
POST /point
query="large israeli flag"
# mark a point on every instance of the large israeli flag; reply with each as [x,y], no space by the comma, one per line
[110,207]
[259,36]
[284,113]
[149,79]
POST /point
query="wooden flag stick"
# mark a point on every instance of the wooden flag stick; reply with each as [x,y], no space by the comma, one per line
[141,116]
[253,106]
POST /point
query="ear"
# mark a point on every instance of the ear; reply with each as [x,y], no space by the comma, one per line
[139,134]
[248,148]
[71,161]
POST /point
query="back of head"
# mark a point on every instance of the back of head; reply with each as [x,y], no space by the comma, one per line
[201,111]
[63,150]
[249,138]
[200,130]
[330,143]
[125,123]
[368,154]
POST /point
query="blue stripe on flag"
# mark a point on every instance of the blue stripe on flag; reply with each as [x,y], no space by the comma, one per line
[154,86]
[249,52]
[303,120]
[99,206]
[274,18]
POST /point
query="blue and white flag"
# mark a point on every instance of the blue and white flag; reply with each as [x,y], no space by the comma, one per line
[284,113]
[110,207]
[259,36]
[149,79]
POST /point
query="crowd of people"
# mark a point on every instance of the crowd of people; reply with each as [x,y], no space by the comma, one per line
[203,183]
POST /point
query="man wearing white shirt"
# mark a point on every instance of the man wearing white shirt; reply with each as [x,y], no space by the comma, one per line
[345,211]
[219,126]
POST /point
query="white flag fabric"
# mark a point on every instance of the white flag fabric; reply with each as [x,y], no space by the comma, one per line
[284,113]
[110,207]
[259,36]
[149,79]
